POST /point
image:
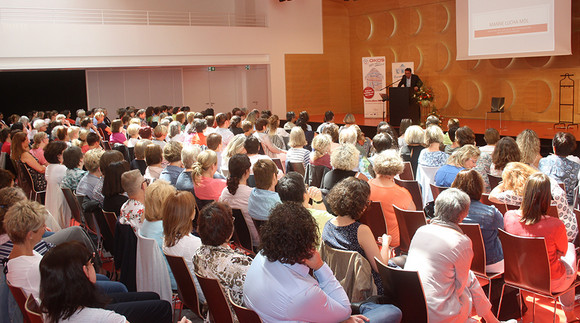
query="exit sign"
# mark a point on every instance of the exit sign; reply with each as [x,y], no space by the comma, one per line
[211,68]
[247,67]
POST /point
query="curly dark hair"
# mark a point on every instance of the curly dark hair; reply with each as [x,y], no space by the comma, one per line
[290,235]
[506,150]
[349,197]
[215,224]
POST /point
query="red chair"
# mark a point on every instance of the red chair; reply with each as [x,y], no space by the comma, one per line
[216,300]
[33,310]
[374,218]
[20,298]
[409,222]
[185,284]
[244,314]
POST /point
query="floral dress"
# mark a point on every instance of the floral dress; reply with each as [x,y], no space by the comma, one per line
[226,265]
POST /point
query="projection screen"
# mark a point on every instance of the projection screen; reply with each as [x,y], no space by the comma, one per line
[513,28]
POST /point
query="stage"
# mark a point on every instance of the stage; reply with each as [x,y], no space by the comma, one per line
[545,130]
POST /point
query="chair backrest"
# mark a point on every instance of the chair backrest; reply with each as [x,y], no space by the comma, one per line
[414,190]
[502,207]
[403,288]
[314,174]
[352,270]
[258,224]
[473,231]
[374,218]
[295,167]
[244,314]
[436,190]
[131,151]
[553,211]
[89,216]
[201,203]
[185,284]
[152,273]
[251,181]
[526,262]
[106,144]
[278,163]
[3,158]
[493,180]
[241,232]
[24,179]
[216,299]
[111,219]
[407,173]
[361,176]
[425,176]
[33,310]
[73,204]
[20,298]
[409,222]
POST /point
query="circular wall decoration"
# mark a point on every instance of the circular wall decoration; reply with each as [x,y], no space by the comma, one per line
[442,93]
[536,96]
[468,95]
[469,65]
[443,18]
[501,63]
[389,24]
[507,90]
[363,27]
[540,61]
[443,57]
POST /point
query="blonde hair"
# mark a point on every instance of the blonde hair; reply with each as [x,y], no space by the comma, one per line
[321,146]
[273,123]
[461,155]
[189,155]
[345,157]
[136,121]
[388,162]
[133,129]
[155,195]
[38,138]
[72,131]
[172,151]
[235,145]
[99,115]
[514,177]
[349,118]
[347,136]
[131,181]
[529,145]
[92,159]
[205,160]
[24,217]
[297,138]
[414,135]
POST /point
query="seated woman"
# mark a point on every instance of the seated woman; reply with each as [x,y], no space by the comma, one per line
[511,192]
[463,158]
[531,220]
[139,151]
[414,140]
[320,155]
[442,255]
[54,201]
[172,154]
[506,151]
[113,191]
[348,200]
[215,258]
[188,158]
[432,156]
[178,216]
[237,192]
[153,158]
[132,211]
[387,165]
[235,146]
[19,151]
[133,134]
[152,228]
[68,292]
[488,217]
[297,153]
[72,158]
[207,187]
[529,144]
[117,133]
[344,160]
[40,140]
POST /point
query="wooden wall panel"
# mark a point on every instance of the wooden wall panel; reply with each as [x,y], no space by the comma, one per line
[423,31]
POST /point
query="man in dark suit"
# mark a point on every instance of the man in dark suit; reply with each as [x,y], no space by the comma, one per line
[410,80]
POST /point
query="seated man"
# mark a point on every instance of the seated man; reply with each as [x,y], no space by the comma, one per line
[561,168]
[442,255]
[278,286]
[291,188]
[263,196]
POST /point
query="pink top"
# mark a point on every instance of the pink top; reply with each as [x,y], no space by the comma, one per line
[117,137]
[209,188]
[39,154]
[553,231]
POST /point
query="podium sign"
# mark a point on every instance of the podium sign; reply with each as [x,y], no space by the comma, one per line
[374,79]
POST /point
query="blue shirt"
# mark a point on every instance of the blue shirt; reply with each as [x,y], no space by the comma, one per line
[563,170]
[184,182]
[261,202]
[170,174]
[282,292]
[446,175]
[490,220]
[154,230]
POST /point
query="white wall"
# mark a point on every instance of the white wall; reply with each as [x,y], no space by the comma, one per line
[293,27]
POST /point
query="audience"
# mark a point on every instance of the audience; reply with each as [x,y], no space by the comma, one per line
[297,153]
[19,151]
[463,158]
[172,154]
[235,146]
[117,133]
[559,167]
[154,159]
[344,160]
[91,185]
[207,187]
[139,151]
[506,151]
[72,158]
[432,156]
[442,255]
[529,144]
[40,140]
[320,155]
[55,171]
[113,191]
[132,211]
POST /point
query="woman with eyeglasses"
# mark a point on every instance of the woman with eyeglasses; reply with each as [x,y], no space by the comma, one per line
[348,200]
[463,158]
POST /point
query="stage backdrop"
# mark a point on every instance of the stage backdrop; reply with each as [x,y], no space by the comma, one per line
[374,81]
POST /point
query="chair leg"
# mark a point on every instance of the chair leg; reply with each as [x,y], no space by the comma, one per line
[500,299]
[533,309]
[555,303]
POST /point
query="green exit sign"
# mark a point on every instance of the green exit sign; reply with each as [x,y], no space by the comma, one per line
[247,67]
[211,68]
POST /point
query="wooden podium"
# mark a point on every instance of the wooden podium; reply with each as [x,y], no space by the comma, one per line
[402,106]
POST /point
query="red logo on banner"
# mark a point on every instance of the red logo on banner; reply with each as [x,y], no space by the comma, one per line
[368,92]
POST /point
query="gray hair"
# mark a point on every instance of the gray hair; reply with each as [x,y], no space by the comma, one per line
[174,129]
[347,136]
[345,157]
[189,155]
[39,123]
[451,204]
